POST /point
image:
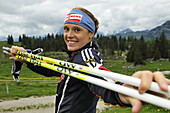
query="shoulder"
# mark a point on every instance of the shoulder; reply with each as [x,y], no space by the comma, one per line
[91,57]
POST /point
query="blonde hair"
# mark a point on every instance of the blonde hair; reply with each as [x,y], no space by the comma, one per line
[91,16]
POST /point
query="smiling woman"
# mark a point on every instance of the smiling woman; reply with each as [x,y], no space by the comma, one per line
[76,36]
[79,28]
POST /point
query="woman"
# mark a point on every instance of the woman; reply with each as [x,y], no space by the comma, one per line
[76,96]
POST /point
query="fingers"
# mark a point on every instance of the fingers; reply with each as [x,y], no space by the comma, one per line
[161,80]
[136,104]
[10,54]
[13,50]
[146,80]
[16,59]
[147,77]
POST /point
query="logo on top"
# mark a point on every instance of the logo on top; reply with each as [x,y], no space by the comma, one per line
[73,17]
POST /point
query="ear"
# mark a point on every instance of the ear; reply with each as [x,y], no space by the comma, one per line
[91,35]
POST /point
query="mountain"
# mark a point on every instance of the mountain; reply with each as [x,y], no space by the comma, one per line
[156,32]
[128,32]
[153,33]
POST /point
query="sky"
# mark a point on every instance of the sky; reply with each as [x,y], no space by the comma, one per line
[39,17]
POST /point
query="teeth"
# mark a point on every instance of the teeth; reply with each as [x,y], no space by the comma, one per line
[72,41]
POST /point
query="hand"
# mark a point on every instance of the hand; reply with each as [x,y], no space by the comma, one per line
[13,51]
[146,79]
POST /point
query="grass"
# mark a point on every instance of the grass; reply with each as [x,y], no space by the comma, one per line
[25,89]
[33,84]
[121,66]
[145,109]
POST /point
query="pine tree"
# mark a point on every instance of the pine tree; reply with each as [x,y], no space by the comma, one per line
[149,49]
[130,54]
[115,42]
[163,45]
[157,54]
[120,43]
[20,38]
[24,39]
[10,39]
[169,55]
[142,47]
[138,57]
[134,53]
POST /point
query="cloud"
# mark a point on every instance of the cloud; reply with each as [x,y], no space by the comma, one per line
[38,17]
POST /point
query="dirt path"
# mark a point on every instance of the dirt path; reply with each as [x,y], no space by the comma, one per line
[35,105]
[42,110]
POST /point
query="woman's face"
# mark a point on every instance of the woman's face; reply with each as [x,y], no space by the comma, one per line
[76,36]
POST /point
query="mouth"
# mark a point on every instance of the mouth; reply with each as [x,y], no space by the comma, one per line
[72,42]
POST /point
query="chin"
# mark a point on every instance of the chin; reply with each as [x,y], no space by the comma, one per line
[71,49]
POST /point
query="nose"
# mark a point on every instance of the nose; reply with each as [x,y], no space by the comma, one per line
[70,34]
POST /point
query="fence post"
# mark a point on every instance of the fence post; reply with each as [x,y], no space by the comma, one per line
[7,89]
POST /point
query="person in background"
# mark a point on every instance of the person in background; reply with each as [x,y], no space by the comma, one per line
[76,96]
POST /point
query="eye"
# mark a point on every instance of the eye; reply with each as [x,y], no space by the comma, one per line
[66,29]
[77,29]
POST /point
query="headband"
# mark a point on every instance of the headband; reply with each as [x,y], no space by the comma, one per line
[80,18]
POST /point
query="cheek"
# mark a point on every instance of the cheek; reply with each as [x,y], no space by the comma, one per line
[86,40]
[84,37]
[65,39]
[83,41]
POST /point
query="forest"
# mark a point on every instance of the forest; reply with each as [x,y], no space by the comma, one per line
[131,49]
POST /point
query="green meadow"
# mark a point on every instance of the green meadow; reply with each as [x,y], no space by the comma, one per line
[33,84]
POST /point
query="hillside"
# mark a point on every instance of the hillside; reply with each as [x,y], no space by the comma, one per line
[153,33]
[136,34]
[156,32]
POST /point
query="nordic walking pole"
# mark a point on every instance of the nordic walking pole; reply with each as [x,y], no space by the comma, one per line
[60,69]
[111,75]
[149,98]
